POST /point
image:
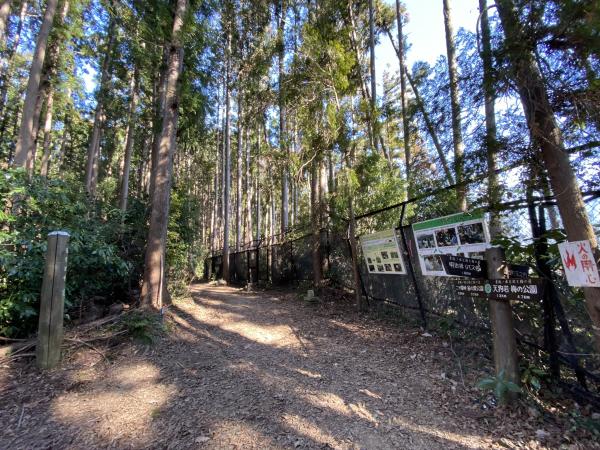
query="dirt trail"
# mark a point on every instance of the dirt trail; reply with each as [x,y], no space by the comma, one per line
[256,370]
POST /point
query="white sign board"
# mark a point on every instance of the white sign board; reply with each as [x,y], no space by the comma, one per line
[462,234]
[579,264]
[382,253]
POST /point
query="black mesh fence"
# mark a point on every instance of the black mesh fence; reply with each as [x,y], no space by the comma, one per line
[558,326]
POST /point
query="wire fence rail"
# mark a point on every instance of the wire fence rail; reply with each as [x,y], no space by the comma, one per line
[558,326]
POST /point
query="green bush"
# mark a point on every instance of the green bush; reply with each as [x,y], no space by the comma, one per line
[105,248]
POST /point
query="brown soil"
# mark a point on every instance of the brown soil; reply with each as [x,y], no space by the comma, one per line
[266,370]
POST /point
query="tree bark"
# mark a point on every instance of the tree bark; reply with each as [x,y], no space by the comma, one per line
[545,132]
[8,66]
[129,140]
[154,287]
[491,141]
[227,160]
[47,135]
[248,188]
[33,84]
[405,127]
[238,184]
[91,168]
[4,13]
[457,140]
[374,119]
[315,222]
[426,118]
[285,214]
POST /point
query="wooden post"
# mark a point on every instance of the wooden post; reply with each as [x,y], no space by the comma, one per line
[52,304]
[506,357]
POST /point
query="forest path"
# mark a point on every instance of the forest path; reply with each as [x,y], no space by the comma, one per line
[256,370]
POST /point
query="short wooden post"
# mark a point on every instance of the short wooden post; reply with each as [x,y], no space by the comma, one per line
[52,303]
[506,357]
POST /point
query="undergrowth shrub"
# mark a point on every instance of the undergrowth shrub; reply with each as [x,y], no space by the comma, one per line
[105,248]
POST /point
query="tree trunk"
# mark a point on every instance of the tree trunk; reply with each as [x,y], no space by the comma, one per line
[238,183]
[285,214]
[457,140]
[91,168]
[248,188]
[360,303]
[154,287]
[426,118]
[494,193]
[406,135]
[374,118]
[315,222]
[47,135]
[227,161]
[130,134]
[4,13]
[545,132]
[9,62]
[33,84]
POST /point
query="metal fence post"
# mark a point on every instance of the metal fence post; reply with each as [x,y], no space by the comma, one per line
[411,269]
[52,302]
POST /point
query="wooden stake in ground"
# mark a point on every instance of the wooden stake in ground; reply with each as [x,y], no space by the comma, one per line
[506,358]
[52,305]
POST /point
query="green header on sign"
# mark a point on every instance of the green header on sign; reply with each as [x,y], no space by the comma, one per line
[447,220]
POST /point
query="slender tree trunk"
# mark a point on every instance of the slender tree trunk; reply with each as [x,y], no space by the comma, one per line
[494,193]
[374,135]
[154,288]
[257,177]
[227,162]
[374,117]
[93,152]
[358,297]
[47,135]
[283,145]
[238,184]
[426,118]
[405,128]
[7,67]
[33,84]
[248,188]
[4,13]
[545,132]
[131,119]
[37,112]
[457,140]
[315,222]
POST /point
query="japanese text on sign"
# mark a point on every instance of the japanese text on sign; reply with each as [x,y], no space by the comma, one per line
[579,264]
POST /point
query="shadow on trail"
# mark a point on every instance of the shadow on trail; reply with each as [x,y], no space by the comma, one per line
[246,370]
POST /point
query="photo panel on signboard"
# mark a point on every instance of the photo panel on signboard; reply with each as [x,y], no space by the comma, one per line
[458,234]
[382,254]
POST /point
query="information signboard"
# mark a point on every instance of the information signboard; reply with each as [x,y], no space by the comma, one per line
[462,234]
[579,264]
[382,253]
[516,289]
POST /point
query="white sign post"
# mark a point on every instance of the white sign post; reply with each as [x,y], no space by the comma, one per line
[382,253]
[579,264]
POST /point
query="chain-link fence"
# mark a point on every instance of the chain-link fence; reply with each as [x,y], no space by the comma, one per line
[558,326]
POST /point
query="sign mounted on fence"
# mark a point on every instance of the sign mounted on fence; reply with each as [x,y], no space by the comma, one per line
[516,289]
[464,267]
[579,264]
[462,234]
[382,253]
